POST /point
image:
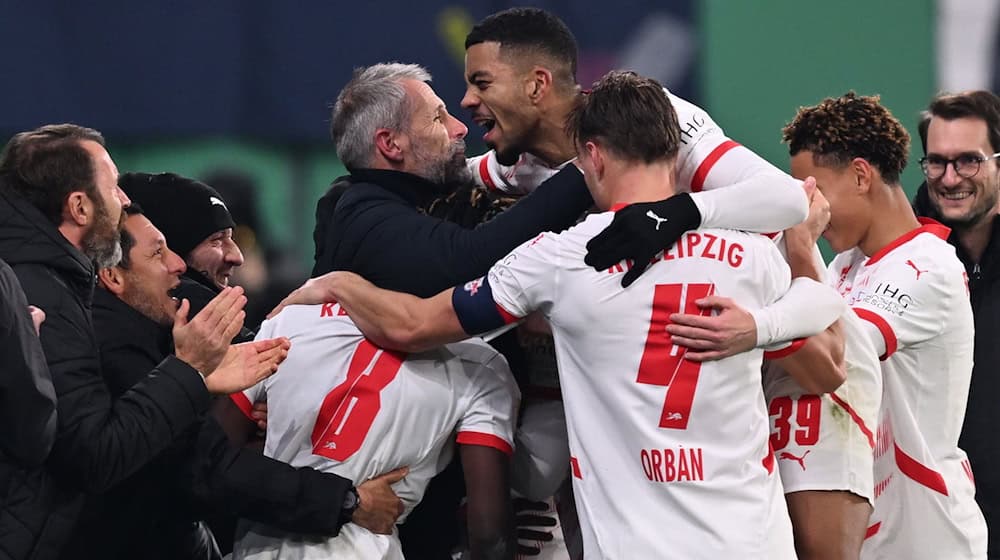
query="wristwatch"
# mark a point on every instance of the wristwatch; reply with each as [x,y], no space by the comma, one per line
[351,502]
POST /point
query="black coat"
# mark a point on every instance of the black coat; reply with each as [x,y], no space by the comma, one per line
[982,415]
[98,442]
[201,471]
[377,231]
[28,417]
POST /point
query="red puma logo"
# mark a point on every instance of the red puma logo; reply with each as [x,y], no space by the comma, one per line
[914,267]
[800,460]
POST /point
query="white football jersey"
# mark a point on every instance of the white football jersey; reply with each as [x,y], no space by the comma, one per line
[825,442]
[341,405]
[670,458]
[914,295]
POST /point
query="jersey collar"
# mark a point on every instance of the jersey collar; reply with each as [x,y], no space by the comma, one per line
[928,225]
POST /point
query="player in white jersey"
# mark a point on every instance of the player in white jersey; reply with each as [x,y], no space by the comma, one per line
[904,282]
[657,471]
[355,410]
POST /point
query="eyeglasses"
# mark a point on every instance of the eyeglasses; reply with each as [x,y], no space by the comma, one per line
[966,165]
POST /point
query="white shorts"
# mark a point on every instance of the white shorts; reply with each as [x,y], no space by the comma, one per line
[822,443]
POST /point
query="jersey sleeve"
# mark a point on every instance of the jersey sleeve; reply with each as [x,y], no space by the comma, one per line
[518,179]
[757,196]
[490,408]
[523,281]
[904,307]
[246,398]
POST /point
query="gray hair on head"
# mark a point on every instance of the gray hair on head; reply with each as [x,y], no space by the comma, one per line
[373,99]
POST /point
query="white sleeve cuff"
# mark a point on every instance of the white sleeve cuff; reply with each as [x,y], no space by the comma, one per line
[806,309]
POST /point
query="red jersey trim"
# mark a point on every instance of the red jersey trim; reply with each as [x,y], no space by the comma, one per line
[792,348]
[919,473]
[243,403]
[485,440]
[508,317]
[883,327]
[484,173]
[857,419]
[575,466]
[768,460]
[872,530]
[967,467]
[698,181]
[928,226]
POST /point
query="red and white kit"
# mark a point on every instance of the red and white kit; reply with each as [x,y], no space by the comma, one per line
[339,404]
[670,458]
[913,298]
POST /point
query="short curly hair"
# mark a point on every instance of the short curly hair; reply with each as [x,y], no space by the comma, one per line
[840,129]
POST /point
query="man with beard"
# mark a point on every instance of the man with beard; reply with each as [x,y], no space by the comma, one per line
[961,137]
[152,514]
[196,220]
[60,209]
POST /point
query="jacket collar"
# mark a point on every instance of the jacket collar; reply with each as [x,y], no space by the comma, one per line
[414,189]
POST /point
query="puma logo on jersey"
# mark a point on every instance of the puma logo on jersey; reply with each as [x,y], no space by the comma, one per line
[800,460]
[653,216]
[675,416]
[914,267]
[330,445]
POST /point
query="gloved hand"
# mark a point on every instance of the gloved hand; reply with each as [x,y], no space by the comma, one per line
[640,231]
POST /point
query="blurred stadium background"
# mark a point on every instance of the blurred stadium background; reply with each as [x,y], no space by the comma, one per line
[237,92]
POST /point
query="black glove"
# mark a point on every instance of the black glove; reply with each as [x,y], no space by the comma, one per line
[640,231]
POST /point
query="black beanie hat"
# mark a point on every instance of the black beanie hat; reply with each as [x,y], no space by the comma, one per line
[185,210]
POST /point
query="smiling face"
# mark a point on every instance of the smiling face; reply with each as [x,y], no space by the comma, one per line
[850,213]
[153,271]
[960,201]
[497,97]
[216,257]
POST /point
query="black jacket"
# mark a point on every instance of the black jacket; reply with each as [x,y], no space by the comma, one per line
[98,443]
[202,471]
[28,414]
[376,230]
[982,415]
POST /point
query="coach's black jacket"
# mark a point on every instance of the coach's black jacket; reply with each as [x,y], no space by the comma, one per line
[98,443]
[373,227]
[202,471]
[982,415]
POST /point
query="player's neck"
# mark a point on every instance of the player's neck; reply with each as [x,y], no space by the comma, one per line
[629,182]
[894,217]
[554,146]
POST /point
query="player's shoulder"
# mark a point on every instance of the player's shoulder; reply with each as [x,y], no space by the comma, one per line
[927,254]
[317,320]
[478,362]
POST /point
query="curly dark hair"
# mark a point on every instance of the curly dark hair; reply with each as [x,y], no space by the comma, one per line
[840,129]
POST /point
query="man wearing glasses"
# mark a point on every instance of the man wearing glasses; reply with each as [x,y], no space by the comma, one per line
[961,137]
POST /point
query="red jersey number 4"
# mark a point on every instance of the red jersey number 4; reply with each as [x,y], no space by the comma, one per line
[663,361]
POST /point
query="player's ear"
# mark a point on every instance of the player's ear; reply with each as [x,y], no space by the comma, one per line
[539,82]
[863,174]
[596,155]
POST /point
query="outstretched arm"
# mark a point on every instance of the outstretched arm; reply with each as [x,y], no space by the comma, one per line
[489,512]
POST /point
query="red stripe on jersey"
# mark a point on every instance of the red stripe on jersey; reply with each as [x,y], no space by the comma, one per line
[484,173]
[243,402]
[485,440]
[698,181]
[792,348]
[968,471]
[575,465]
[768,461]
[928,226]
[857,419]
[883,327]
[872,530]
[508,317]
[918,472]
